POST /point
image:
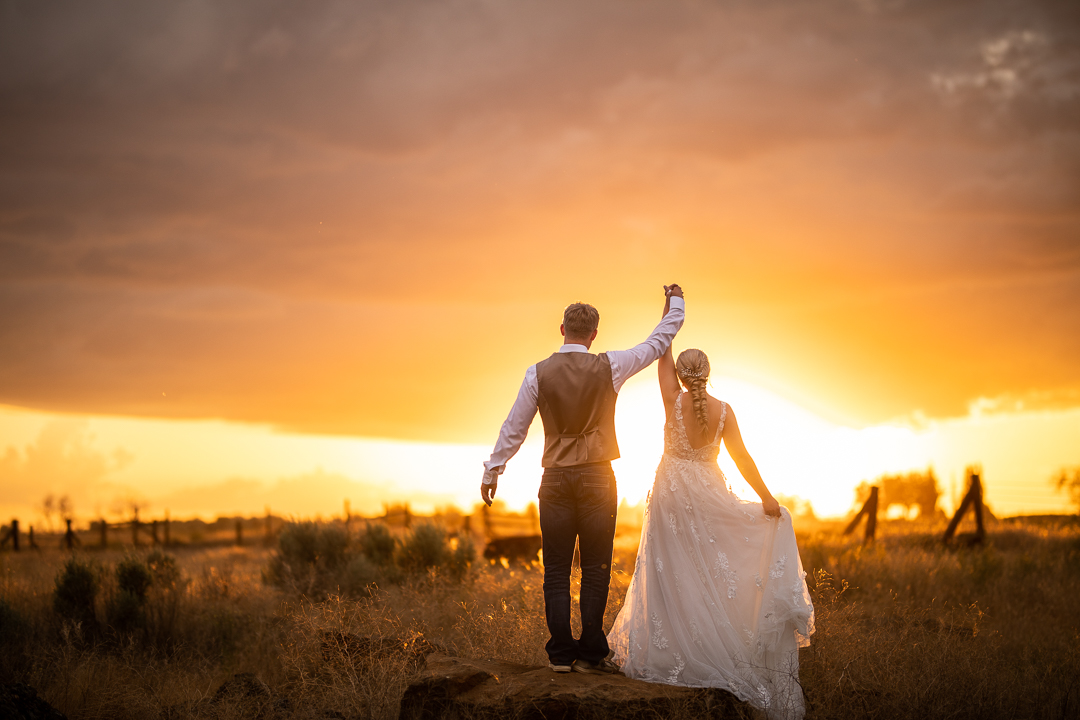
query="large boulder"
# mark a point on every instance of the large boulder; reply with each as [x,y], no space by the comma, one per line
[451,688]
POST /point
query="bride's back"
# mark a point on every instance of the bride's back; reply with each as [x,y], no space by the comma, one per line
[695,434]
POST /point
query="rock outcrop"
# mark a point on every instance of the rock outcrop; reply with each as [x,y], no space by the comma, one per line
[450,688]
[21,702]
[243,686]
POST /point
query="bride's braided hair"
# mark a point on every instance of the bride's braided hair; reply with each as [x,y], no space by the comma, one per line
[693,370]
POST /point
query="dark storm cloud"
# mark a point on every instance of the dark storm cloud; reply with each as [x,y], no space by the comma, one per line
[223,198]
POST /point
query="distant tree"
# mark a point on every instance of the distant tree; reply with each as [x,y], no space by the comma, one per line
[48,510]
[1068,480]
[64,507]
[797,506]
[914,489]
[55,507]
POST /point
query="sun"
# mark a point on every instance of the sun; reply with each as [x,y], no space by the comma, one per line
[798,452]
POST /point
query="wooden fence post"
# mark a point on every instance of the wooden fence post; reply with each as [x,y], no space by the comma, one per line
[974,497]
[408,516]
[153,532]
[69,535]
[166,528]
[135,528]
[871,515]
[104,528]
[30,539]
[870,510]
[268,530]
[15,535]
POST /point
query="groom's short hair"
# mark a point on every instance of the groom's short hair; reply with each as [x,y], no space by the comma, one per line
[580,320]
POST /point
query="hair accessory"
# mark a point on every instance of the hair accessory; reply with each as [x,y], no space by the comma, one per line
[687,372]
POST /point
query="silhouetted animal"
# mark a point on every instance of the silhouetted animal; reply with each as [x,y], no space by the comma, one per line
[514,547]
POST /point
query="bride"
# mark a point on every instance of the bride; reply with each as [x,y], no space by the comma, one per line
[718,597]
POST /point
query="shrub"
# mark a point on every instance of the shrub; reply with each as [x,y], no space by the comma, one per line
[76,592]
[359,575]
[133,577]
[13,627]
[124,612]
[309,557]
[163,599]
[163,570]
[377,544]
[461,559]
[309,544]
[425,547]
[16,642]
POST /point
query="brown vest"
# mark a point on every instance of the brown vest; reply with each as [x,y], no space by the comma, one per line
[577,404]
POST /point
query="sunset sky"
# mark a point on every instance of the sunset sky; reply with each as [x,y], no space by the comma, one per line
[271,253]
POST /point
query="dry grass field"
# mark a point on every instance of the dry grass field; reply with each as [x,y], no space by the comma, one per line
[906,628]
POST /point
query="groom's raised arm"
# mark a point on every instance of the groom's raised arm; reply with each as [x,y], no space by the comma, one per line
[627,363]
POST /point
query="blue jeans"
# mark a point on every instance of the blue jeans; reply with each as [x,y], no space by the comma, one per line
[577,502]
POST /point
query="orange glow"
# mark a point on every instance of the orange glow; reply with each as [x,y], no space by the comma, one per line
[210,468]
[235,249]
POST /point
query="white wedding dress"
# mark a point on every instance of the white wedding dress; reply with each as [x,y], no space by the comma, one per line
[718,597]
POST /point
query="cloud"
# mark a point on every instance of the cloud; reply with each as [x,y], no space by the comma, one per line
[63,460]
[311,215]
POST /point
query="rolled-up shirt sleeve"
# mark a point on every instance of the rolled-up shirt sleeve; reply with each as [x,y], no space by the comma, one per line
[516,426]
[627,363]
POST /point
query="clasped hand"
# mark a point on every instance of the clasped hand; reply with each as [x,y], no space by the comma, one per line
[673,290]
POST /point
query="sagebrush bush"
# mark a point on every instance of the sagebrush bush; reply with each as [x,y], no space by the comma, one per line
[310,544]
[461,558]
[76,592]
[162,607]
[309,557]
[125,612]
[424,547]
[163,569]
[13,626]
[145,597]
[15,639]
[360,575]
[133,577]
[377,544]
[318,559]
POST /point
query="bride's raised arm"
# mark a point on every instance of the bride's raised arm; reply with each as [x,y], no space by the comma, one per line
[665,367]
[733,441]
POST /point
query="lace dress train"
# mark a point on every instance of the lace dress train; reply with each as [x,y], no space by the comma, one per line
[718,597]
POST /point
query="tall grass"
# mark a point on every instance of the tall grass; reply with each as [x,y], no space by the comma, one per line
[905,627]
[910,629]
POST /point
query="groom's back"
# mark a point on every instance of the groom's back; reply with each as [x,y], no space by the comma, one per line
[576,399]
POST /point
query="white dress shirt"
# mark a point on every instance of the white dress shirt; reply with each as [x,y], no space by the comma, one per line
[624,364]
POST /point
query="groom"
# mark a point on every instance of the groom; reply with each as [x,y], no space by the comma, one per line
[575,392]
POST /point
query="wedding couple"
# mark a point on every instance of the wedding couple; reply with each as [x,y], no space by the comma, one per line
[718,597]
